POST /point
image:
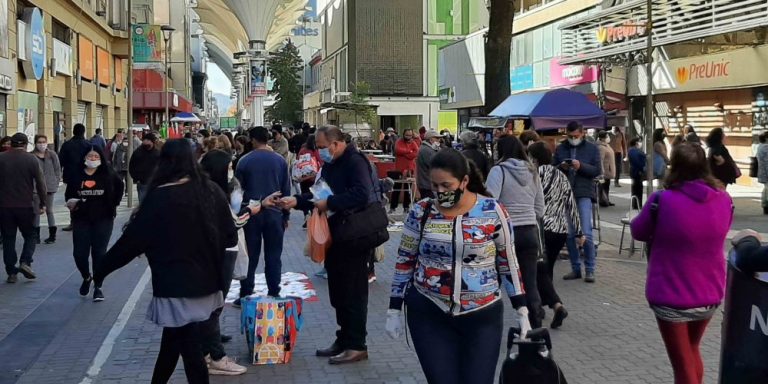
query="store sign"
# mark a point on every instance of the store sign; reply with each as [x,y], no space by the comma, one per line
[34,44]
[63,55]
[732,69]
[521,78]
[625,31]
[565,75]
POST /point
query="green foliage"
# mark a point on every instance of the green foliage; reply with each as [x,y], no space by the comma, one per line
[285,68]
[358,100]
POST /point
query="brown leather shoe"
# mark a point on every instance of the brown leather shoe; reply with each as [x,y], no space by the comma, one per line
[348,356]
[331,351]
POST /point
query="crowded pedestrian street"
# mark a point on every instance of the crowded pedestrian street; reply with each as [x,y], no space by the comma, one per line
[55,336]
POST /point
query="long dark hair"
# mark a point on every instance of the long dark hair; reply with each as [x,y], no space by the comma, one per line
[453,162]
[311,143]
[510,147]
[715,138]
[689,163]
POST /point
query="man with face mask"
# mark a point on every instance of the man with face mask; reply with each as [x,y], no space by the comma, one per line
[580,161]
[349,175]
[406,151]
[143,163]
[427,151]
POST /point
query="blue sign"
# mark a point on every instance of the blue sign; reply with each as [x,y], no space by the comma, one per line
[521,78]
[35,43]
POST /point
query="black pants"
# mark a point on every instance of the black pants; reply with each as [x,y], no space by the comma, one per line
[267,228]
[371,266]
[455,349]
[637,191]
[185,342]
[527,250]
[619,158]
[11,220]
[553,243]
[394,201]
[605,193]
[348,289]
[426,193]
[211,342]
[304,187]
[90,239]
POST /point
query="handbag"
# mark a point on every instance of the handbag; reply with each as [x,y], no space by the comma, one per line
[364,229]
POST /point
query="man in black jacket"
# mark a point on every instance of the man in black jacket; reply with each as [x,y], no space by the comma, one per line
[143,163]
[349,176]
[71,157]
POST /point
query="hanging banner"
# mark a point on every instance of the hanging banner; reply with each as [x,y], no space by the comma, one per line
[147,43]
[258,76]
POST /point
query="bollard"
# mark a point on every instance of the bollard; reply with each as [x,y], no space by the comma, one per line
[744,348]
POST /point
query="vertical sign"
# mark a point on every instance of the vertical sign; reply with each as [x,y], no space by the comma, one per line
[258,75]
[85,58]
[147,43]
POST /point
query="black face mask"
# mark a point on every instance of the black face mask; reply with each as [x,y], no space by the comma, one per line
[449,199]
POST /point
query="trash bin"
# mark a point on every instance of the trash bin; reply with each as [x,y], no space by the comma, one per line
[744,349]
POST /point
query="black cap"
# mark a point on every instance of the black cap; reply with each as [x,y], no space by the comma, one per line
[277,128]
[19,139]
[150,136]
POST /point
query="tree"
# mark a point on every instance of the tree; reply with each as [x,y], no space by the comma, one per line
[285,68]
[498,47]
[358,103]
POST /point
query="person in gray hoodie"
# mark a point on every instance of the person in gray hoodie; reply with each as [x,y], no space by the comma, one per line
[428,149]
[49,163]
[515,183]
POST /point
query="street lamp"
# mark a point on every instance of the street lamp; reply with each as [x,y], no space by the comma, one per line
[167,31]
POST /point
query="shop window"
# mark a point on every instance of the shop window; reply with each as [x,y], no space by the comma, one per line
[20,6]
[61,32]
[538,49]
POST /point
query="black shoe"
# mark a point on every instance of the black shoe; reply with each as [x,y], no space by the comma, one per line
[560,315]
[226,338]
[85,287]
[617,185]
[26,270]
[51,235]
[236,303]
[765,210]
[590,278]
[611,204]
[572,276]
[12,279]
[331,351]
[97,295]
[348,356]
[68,228]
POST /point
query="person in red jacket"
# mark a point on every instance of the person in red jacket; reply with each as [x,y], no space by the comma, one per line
[406,151]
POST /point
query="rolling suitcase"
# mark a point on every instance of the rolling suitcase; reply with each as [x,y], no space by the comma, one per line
[530,361]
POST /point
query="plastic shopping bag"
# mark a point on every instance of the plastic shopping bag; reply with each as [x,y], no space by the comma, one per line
[318,236]
[378,255]
[241,263]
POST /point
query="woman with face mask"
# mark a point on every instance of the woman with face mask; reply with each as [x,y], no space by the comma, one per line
[93,201]
[120,160]
[49,163]
[455,255]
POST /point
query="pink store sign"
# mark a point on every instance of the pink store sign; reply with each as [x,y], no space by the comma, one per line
[560,75]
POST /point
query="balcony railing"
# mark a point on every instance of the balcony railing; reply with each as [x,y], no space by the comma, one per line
[622,29]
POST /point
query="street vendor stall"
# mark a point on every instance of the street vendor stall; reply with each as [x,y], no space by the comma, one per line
[551,109]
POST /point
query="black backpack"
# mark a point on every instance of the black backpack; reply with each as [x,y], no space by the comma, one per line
[532,361]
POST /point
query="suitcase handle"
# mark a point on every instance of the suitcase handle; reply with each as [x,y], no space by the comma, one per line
[535,336]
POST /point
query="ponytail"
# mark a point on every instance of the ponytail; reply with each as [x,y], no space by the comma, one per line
[452,161]
[476,183]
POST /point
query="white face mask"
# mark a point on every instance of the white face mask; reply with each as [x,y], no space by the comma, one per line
[92,164]
[41,147]
[575,142]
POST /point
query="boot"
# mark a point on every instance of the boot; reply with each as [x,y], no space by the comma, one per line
[37,235]
[51,235]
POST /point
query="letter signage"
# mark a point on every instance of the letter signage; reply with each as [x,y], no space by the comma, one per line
[34,44]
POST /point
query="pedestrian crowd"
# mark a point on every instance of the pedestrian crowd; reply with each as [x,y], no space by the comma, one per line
[483,224]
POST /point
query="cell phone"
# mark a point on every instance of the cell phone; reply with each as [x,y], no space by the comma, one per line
[568,161]
[254,203]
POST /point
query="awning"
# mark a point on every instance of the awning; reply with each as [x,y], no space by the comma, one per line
[552,109]
[185,117]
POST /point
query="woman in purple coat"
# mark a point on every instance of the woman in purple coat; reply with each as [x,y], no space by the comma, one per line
[687,224]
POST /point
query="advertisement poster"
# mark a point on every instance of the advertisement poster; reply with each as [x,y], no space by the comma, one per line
[258,78]
[147,43]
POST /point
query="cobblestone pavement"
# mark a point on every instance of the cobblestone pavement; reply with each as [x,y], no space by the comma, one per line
[48,334]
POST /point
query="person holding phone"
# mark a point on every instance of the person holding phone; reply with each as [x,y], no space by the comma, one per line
[92,199]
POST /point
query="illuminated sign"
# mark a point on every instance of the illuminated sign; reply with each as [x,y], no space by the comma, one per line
[616,33]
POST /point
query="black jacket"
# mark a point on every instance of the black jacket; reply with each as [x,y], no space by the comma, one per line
[143,164]
[169,229]
[72,156]
[350,179]
[216,164]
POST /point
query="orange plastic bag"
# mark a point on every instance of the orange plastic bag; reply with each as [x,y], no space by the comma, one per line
[318,236]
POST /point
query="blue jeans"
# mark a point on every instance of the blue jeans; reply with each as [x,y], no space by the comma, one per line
[142,191]
[585,215]
[266,227]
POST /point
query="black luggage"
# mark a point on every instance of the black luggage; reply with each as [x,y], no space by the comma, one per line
[530,361]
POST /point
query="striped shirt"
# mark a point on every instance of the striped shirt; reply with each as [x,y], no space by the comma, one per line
[560,206]
[456,261]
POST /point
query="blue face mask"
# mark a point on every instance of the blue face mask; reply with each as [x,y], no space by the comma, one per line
[325,155]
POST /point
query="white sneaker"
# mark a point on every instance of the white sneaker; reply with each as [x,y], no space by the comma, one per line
[225,367]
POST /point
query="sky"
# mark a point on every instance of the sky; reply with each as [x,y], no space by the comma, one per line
[217,81]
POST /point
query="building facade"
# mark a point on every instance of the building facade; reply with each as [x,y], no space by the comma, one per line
[62,63]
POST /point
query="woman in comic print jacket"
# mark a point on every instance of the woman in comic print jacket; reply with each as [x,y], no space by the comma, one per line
[449,273]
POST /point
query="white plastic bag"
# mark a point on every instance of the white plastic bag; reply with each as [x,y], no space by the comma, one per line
[241,263]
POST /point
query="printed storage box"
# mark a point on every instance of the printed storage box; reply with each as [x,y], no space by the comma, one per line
[271,326]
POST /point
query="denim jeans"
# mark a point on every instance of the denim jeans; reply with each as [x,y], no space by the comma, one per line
[142,191]
[585,216]
[267,227]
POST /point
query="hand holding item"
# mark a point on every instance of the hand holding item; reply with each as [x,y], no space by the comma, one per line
[580,240]
[576,164]
[394,325]
[72,204]
[271,200]
[287,202]
[525,324]
[322,205]
[254,207]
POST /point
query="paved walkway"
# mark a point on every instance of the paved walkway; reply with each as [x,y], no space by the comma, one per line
[48,334]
